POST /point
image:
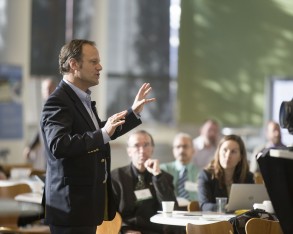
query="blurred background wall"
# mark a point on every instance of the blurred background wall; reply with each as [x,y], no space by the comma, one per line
[203,59]
[228,52]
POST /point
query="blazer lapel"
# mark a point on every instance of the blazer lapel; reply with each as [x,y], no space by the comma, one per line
[79,106]
[93,104]
[85,114]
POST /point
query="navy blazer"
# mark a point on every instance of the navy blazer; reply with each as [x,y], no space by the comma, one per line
[78,161]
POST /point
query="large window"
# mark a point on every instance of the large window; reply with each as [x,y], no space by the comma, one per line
[53,23]
[139,48]
[279,90]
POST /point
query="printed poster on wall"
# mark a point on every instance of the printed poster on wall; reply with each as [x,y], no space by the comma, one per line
[11,110]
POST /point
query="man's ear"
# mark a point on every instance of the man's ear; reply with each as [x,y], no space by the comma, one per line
[74,65]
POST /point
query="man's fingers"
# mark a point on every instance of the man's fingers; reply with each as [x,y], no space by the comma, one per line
[147,91]
[118,117]
[150,100]
[147,100]
[145,87]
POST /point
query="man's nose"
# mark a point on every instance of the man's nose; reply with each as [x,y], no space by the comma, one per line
[141,148]
[99,67]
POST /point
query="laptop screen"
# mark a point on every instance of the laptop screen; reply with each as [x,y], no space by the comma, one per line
[243,196]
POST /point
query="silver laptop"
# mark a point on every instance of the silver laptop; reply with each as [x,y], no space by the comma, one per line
[243,196]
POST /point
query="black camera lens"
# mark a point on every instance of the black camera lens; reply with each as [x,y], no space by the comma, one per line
[286,116]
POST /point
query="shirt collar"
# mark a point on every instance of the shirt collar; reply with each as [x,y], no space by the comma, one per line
[83,96]
[179,166]
[136,172]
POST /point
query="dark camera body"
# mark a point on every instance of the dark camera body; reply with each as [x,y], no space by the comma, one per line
[286,115]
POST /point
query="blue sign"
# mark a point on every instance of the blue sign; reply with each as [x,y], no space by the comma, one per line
[11,114]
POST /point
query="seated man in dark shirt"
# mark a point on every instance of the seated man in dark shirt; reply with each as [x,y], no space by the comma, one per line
[140,187]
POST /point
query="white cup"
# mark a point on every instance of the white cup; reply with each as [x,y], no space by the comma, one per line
[268,207]
[259,206]
[168,206]
[221,204]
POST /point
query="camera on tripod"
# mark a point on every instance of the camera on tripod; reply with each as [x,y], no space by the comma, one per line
[286,118]
[286,115]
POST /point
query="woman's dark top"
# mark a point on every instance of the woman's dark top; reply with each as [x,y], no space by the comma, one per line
[209,188]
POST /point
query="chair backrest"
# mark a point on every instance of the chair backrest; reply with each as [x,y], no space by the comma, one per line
[8,221]
[193,206]
[26,230]
[37,172]
[258,179]
[10,191]
[110,227]
[259,226]
[221,227]
[6,230]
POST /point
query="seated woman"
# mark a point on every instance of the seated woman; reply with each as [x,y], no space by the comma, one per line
[228,166]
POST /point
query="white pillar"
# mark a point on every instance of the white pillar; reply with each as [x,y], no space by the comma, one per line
[16,50]
[99,35]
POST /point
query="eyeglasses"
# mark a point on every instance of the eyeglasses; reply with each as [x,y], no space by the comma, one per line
[138,146]
[182,146]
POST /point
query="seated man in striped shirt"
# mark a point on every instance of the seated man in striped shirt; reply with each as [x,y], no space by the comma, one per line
[182,169]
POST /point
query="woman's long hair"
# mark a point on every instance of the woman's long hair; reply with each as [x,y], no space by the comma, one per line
[241,170]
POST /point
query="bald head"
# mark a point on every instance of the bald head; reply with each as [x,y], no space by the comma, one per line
[183,148]
[273,133]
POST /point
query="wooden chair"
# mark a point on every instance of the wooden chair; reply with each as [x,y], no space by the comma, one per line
[9,221]
[10,191]
[9,224]
[37,172]
[221,227]
[30,230]
[193,206]
[110,227]
[262,226]
[258,178]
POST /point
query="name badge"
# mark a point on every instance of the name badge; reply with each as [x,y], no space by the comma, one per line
[143,194]
[190,186]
